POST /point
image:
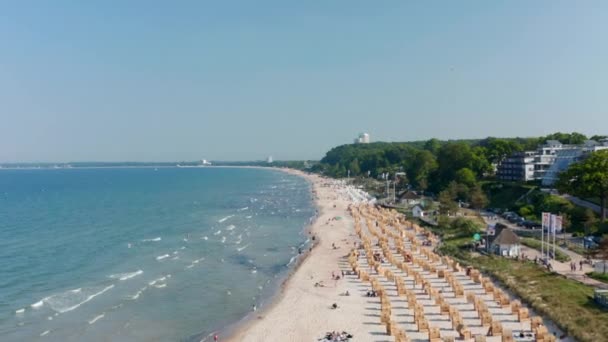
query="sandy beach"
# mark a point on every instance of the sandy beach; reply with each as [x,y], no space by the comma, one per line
[302,312]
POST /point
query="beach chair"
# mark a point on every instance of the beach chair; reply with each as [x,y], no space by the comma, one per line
[480,338]
[535,322]
[496,328]
[423,325]
[464,332]
[515,306]
[507,335]
[486,319]
[523,315]
[434,335]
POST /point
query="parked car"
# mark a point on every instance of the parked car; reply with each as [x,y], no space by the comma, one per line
[531,224]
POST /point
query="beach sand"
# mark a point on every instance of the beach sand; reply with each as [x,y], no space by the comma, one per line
[302,312]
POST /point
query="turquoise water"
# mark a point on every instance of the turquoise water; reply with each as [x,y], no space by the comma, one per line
[141,254]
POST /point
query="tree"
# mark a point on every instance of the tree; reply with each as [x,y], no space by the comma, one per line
[432,145]
[587,178]
[589,220]
[466,176]
[447,204]
[423,165]
[354,167]
[479,199]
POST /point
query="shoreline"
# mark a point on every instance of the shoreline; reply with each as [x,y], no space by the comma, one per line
[295,313]
[233,330]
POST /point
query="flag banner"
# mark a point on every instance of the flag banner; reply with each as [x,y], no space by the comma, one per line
[546,220]
[558,223]
[552,224]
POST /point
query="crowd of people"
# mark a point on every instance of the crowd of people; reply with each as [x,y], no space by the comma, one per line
[335,336]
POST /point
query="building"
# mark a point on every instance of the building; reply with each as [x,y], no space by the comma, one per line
[504,243]
[410,198]
[545,163]
[564,158]
[519,167]
[269,159]
[417,211]
[363,139]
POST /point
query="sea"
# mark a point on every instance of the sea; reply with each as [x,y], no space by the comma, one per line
[144,254]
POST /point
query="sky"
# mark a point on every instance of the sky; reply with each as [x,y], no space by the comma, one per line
[127,80]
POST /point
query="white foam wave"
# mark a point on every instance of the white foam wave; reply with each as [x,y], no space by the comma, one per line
[240,249]
[46,332]
[230,227]
[205,238]
[190,266]
[125,276]
[156,239]
[20,311]
[97,318]
[293,258]
[243,209]
[160,286]
[218,232]
[223,239]
[161,257]
[247,217]
[225,218]
[38,304]
[71,300]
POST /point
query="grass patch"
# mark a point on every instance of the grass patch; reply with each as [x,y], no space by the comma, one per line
[603,277]
[535,244]
[578,249]
[567,302]
[504,195]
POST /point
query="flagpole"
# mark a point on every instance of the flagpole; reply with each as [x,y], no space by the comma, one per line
[542,237]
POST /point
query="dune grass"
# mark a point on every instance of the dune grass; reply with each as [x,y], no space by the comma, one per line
[567,302]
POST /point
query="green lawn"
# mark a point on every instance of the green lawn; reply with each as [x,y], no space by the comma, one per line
[603,277]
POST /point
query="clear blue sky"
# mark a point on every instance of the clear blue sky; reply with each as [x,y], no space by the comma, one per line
[240,80]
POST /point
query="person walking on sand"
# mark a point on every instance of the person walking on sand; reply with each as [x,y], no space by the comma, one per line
[581,265]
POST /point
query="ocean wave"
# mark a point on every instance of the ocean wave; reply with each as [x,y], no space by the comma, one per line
[46,332]
[20,311]
[218,232]
[225,218]
[156,239]
[138,293]
[160,286]
[223,239]
[248,217]
[159,280]
[161,257]
[38,304]
[243,209]
[243,248]
[293,258]
[230,227]
[72,299]
[125,276]
[97,318]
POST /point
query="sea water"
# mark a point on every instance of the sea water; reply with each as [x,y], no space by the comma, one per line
[143,254]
